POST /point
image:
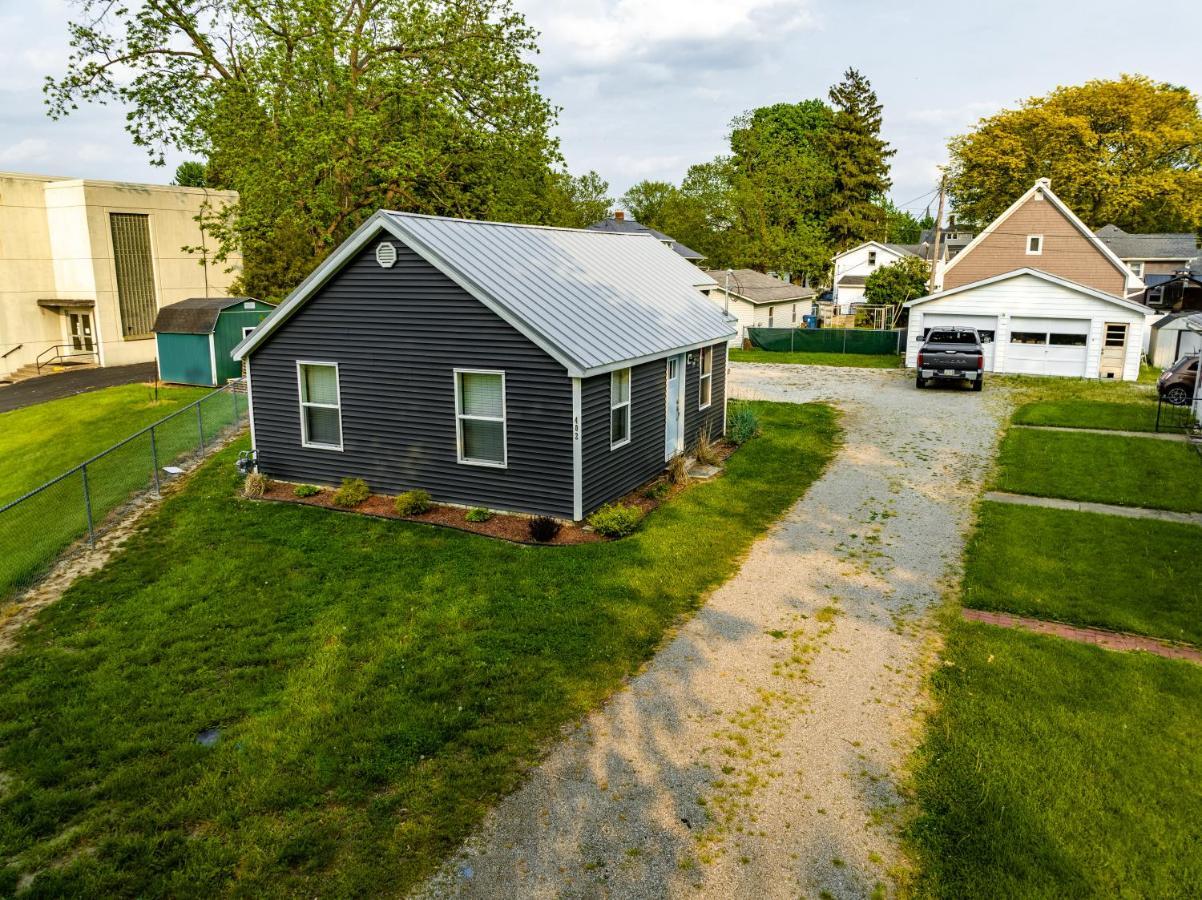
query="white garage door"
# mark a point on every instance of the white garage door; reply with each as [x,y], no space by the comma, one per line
[986,327]
[1040,346]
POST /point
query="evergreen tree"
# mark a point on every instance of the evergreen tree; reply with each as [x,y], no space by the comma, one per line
[860,158]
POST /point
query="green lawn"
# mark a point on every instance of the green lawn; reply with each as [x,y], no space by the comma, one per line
[851,360]
[1102,468]
[1125,574]
[41,441]
[378,684]
[1138,415]
[1055,769]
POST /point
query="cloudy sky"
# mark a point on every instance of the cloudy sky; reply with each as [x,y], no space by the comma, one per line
[647,87]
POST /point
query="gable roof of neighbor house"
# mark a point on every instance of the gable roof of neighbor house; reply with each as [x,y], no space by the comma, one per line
[1176,318]
[630,226]
[1044,186]
[592,300]
[756,287]
[1164,245]
[196,315]
[1037,273]
[921,250]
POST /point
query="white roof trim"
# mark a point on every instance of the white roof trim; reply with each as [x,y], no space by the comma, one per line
[1043,186]
[1037,273]
[876,244]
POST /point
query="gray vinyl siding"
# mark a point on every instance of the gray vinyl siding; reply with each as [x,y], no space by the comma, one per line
[694,417]
[397,334]
[608,474]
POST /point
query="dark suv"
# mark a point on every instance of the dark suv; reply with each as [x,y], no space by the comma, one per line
[1176,384]
[951,353]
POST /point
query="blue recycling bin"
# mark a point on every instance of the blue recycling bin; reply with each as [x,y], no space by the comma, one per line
[810,321]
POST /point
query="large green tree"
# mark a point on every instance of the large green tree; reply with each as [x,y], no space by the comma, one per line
[318,112]
[1127,151]
[860,159]
[902,280]
[577,201]
[647,201]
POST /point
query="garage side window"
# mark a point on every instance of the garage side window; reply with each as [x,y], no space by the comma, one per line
[619,408]
[1068,340]
[1028,337]
[321,405]
[706,382]
[480,417]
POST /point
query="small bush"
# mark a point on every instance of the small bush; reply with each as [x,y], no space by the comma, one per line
[478,514]
[543,528]
[742,424]
[255,485]
[353,492]
[412,503]
[615,520]
[306,490]
[657,491]
[678,470]
[705,450]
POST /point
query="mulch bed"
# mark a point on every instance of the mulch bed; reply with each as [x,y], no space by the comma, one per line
[506,526]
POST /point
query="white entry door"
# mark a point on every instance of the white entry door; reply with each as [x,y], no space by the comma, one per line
[986,327]
[674,412]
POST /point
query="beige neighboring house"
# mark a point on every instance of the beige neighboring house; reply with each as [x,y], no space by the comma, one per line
[760,301]
[85,266]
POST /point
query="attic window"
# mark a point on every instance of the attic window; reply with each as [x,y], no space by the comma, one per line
[1034,245]
[872,257]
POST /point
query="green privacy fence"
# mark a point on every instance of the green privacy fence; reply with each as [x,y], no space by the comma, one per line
[90,499]
[828,340]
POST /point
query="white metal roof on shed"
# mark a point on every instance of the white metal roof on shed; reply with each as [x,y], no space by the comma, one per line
[593,300]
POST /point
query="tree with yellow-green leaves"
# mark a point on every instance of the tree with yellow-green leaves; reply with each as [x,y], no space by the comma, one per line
[1126,151]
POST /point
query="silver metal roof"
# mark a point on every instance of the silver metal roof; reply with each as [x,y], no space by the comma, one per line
[593,300]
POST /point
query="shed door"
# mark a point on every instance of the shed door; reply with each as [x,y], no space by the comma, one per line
[1045,346]
[986,327]
[1114,350]
[674,411]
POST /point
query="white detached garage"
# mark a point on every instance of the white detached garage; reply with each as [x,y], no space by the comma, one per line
[1033,323]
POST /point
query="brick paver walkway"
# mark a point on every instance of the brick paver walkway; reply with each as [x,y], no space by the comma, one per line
[1110,640]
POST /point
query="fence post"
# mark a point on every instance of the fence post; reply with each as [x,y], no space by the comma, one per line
[154,462]
[844,340]
[87,503]
[234,394]
[200,427]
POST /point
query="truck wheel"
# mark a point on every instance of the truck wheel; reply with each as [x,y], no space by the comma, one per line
[919,382]
[979,383]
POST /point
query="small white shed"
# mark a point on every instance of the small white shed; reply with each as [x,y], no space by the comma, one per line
[1033,323]
[1172,338]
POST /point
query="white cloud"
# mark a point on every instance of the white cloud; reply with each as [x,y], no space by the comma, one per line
[25,151]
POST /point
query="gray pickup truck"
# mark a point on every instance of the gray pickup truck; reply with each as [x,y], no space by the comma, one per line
[951,353]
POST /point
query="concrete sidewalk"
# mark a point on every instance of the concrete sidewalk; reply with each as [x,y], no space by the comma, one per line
[1106,509]
[66,384]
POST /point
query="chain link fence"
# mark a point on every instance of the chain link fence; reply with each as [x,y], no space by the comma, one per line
[89,500]
[827,340]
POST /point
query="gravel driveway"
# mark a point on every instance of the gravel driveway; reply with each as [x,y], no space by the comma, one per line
[758,754]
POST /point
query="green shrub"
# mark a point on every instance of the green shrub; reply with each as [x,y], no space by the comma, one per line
[615,520]
[657,491]
[543,528]
[413,503]
[478,514]
[306,490]
[742,424]
[353,492]
[255,485]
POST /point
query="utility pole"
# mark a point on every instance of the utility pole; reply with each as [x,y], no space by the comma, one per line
[938,230]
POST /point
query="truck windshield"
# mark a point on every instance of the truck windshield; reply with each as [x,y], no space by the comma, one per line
[952,336]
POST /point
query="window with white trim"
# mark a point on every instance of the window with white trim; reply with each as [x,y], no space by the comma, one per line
[1034,245]
[480,417]
[872,257]
[706,381]
[320,405]
[1137,267]
[246,330]
[771,309]
[619,408]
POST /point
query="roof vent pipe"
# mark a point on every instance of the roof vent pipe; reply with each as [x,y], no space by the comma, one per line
[619,215]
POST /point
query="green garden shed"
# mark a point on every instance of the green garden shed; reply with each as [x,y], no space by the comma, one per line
[194,337]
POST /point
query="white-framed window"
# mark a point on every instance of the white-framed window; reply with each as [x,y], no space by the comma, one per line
[1034,245]
[705,387]
[872,257]
[619,408]
[320,405]
[480,417]
[794,313]
[246,330]
[771,309]
[1137,267]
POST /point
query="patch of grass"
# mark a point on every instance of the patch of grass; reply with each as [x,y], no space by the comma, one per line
[1127,471]
[1087,569]
[42,441]
[378,684]
[1056,769]
[853,360]
[1134,416]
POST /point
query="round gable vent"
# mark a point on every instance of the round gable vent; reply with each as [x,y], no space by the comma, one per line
[386,254]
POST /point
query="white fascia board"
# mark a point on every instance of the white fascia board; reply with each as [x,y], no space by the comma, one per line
[1037,273]
[876,244]
[660,354]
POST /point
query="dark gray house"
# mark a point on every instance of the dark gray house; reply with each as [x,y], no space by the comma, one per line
[536,370]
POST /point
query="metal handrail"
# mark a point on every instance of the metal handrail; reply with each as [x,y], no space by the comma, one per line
[58,357]
[10,351]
